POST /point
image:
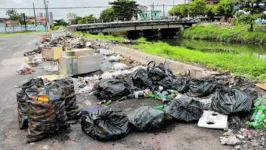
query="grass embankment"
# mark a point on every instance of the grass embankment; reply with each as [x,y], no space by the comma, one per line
[226,33]
[211,46]
[239,64]
[18,33]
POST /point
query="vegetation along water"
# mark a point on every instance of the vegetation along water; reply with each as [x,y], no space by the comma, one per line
[237,61]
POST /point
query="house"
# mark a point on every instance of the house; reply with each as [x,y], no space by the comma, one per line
[212,2]
[150,15]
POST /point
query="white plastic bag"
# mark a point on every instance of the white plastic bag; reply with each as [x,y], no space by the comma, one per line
[114,58]
[25,69]
[120,66]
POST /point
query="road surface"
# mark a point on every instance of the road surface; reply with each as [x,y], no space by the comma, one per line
[173,136]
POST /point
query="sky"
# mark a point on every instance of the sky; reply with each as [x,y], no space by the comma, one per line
[62,13]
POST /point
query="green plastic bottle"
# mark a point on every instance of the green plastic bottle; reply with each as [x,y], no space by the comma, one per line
[258,124]
[256,105]
[160,107]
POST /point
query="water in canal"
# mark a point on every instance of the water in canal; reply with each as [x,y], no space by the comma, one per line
[212,47]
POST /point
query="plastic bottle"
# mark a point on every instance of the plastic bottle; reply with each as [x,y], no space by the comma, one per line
[139,94]
[161,107]
[258,123]
[257,104]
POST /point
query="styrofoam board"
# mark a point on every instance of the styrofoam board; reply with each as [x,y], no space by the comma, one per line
[214,120]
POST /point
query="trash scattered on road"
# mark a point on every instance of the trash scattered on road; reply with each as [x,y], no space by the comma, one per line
[49,104]
[213,120]
[227,101]
[25,69]
[147,118]
[105,124]
[187,110]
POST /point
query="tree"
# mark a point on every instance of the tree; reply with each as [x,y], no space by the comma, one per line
[87,19]
[60,22]
[254,9]
[76,20]
[107,15]
[31,22]
[13,15]
[209,12]
[179,10]
[224,8]
[197,7]
[124,9]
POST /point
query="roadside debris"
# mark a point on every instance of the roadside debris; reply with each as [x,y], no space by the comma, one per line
[213,120]
[187,110]
[49,104]
[105,124]
[147,118]
[25,69]
[227,101]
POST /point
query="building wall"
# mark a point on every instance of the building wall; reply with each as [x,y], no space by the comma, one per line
[155,15]
[212,2]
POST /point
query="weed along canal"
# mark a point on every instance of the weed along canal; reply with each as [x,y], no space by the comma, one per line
[208,46]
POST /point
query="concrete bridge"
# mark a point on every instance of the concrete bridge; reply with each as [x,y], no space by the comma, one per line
[133,26]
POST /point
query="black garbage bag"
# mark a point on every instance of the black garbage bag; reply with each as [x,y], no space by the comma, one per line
[46,111]
[183,109]
[33,82]
[110,89]
[21,101]
[166,83]
[22,109]
[201,87]
[72,109]
[227,101]
[141,78]
[159,72]
[147,118]
[105,124]
[180,84]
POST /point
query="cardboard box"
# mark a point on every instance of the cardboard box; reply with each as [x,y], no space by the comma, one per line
[52,54]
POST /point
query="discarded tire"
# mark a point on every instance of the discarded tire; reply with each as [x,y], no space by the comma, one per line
[147,118]
[187,110]
[105,124]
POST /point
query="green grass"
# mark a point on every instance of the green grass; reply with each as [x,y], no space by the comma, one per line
[239,64]
[212,46]
[222,33]
[103,37]
[18,33]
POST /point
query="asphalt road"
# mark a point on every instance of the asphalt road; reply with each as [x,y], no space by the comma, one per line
[173,136]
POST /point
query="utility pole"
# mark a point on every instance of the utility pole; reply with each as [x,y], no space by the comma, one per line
[34,13]
[163,12]
[173,7]
[48,16]
[46,12]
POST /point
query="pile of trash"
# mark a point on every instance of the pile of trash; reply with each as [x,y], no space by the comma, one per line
[182,99]
[46,108]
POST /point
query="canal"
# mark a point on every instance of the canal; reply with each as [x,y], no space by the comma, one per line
[218,47]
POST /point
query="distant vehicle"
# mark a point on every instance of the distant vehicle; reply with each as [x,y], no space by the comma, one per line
[173,18]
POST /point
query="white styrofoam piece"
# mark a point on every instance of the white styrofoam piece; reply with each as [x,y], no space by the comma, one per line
[80,65]
[214,120]
[88,64]
[78,52]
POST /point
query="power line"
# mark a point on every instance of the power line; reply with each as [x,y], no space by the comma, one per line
[83,7]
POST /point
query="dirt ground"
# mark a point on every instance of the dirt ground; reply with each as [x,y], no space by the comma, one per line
[173,136]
